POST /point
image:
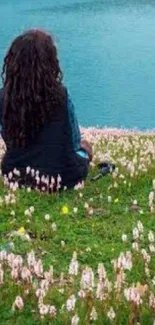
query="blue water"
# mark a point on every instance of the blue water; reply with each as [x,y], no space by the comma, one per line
[107,51]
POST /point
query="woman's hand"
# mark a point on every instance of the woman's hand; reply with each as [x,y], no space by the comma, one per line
[88,148]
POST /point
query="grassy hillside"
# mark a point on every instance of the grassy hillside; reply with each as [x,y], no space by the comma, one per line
[74,232]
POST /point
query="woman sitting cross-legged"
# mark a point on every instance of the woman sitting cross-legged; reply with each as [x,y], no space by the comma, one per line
[38,122]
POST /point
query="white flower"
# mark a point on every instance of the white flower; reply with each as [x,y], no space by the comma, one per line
[140,226]
[70,303]
[124,238]
[75,210]
[47,217]
[75,320]
[40,293]
[111,314]
[31,209]
[3,255]
[135,246]
[151,237]
[27,213]
[54,226]
[135,233]
[62,243]
[93,314]
[52,311]
[44,309]
[135,202]
[10,175]
[26,274]
[152,301]
[133,295]
[18,303]
[12,213]
[153,184]
[151,198]
[82,294]
[1,274]
[74,265]
[87,279]
[28,169]
[86,205]
[152,248]
[109,199]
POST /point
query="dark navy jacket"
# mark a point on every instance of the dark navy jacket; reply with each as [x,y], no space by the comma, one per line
[51,152]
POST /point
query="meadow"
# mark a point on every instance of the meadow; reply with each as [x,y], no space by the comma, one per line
[87,255]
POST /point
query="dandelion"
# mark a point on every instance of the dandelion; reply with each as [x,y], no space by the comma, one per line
[75,210]
[47,217]
[65,210]
[124,237]
[21,230]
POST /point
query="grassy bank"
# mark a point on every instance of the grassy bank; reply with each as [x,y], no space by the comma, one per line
[88,222]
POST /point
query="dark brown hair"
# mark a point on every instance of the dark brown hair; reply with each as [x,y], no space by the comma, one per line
[33,90]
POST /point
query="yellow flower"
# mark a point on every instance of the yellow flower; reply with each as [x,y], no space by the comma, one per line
[65,210]
[21,230]
[116,200]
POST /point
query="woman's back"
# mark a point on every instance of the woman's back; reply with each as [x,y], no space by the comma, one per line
[34,113]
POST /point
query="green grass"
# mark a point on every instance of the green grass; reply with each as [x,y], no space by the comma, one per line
[96,237]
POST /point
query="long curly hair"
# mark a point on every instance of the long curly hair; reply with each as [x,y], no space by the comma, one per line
[33,89]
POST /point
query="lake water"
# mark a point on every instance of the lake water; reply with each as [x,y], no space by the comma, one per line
[107,51]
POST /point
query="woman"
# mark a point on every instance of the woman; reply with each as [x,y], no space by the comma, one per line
[39,127]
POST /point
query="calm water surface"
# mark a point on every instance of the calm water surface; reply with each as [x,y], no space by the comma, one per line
[107,51]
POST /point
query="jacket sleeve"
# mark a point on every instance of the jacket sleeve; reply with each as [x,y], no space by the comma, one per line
[76,136]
